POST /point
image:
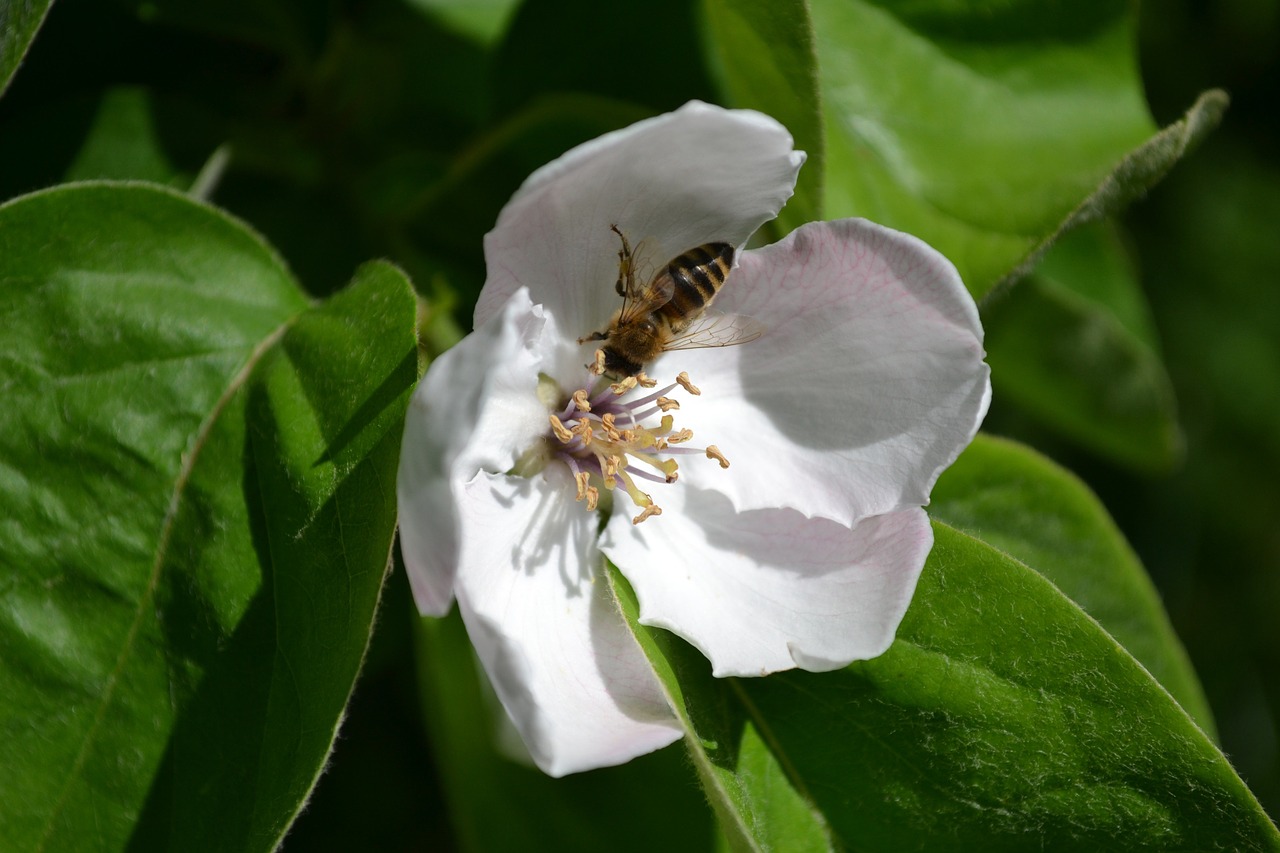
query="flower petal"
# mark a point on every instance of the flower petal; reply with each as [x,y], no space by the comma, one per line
[476,409]
[560,657]
[699,174]
[867,383]
[769,590]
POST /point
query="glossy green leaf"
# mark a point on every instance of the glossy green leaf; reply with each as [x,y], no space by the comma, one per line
[982,128]
[1002,718]
[758,806]
[499,803]
[763,57]
[195,488]
[19,21]
[1073,345]
[1022,504]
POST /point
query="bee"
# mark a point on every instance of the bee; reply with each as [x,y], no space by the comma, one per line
[667,311]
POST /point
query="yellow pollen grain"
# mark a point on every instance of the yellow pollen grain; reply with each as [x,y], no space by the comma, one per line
[648,512]
[580,400]
[680,436]
[593,498]
[667,404]
[562,432]
[683,379]
[713,452]
[645,381]
[597,366]
[620,388]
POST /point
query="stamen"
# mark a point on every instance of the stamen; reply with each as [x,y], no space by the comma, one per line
[681,436]
[561,431]
[620,388]
[648,512]
[610,442]
[713,452]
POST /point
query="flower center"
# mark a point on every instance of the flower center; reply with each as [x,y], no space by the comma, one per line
[602,436]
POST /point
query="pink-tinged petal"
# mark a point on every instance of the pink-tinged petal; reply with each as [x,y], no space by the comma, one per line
[769,590]
[696,175]
[866,384]
[545,626]
[476,409]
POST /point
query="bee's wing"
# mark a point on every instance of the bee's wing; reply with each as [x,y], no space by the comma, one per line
[643,298]
[720,330]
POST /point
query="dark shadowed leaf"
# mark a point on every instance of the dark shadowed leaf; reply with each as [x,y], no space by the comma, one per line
[1073,345]
[763,57]
[19,21]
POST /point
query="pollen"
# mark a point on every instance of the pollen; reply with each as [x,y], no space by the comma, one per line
[606,434]
[683,381]
[713,452]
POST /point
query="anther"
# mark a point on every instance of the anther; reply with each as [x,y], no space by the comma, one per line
[683,379]
[583,488]
[562,432]
[580,400]
[593,498]
[680,436]
[597,366]
[667,404]
[713,452]
[644,381]
[620,388]
[648,512]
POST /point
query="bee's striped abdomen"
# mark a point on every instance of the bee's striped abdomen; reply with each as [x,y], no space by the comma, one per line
[697,275]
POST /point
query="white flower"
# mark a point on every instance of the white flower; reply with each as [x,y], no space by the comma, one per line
[866,384]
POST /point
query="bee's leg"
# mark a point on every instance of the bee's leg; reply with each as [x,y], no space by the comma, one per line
[594,336]
[625,284]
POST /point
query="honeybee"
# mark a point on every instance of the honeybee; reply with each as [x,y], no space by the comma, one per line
[667,311]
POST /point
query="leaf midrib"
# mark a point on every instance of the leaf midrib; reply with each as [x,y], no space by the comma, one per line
[162,543]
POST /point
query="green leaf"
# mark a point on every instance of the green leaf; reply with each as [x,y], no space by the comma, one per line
[483,21]
[1073,344]
[758,806]
[19,21]
[123,142]
[499,804]
[1002,718]
[983,128]
[197,504]
[1027,507]
[762,56]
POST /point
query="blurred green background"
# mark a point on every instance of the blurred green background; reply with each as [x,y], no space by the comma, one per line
[337,115]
